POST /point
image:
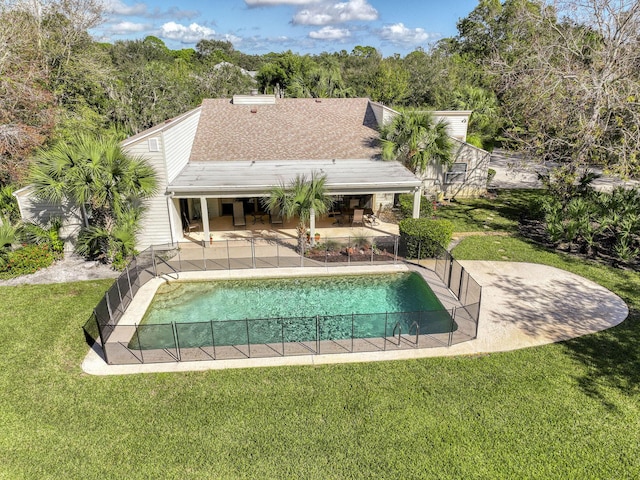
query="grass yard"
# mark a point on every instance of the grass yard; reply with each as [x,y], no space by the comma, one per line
[491,214]
[561,411]
[567,410]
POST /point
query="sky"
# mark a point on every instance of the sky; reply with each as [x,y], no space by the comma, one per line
[303,26]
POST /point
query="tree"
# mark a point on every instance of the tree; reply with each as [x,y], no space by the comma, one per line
[108,185]
[303,198]
[416,139]
[572,94]
[390,83]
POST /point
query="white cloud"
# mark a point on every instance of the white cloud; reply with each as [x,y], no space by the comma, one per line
[120,8]
[270,3]
[331,13]
[191,34]
[401,35]
[330,33]
[124,28]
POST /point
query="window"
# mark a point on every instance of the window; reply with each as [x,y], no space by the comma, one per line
[154,146]
[456,174]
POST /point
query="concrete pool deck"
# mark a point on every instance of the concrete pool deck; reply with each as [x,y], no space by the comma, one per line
[523,305]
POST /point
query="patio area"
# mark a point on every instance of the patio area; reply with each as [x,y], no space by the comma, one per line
[221,228]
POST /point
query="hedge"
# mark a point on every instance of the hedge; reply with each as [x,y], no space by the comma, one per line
[405,202]
[424,238]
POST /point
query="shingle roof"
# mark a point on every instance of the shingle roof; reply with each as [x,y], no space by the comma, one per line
[291,129]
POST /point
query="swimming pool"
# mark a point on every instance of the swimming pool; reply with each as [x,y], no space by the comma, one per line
[299,309]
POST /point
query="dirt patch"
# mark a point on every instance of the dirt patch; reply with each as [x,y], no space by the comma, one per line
[70,269]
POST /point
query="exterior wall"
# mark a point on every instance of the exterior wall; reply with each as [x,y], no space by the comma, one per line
[167,151]
[155,226]
[457,123]
[177,141]
[477,161]
[382,113]
[40,212]
[382,201]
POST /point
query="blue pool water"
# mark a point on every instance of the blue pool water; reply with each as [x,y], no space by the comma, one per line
[289,309]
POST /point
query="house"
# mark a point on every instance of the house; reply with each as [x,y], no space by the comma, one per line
[226,154]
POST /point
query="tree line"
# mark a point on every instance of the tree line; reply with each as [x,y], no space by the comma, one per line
[557,80]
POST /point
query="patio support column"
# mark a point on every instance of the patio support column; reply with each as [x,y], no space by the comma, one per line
[312,226]
[417,196]
[205,219]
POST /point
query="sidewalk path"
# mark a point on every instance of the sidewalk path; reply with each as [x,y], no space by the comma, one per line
[523,305]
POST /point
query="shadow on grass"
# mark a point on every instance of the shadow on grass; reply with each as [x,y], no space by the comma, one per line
[612,358]
[504,212]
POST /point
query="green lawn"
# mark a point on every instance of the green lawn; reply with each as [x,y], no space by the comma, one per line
[490,214]
[567,410]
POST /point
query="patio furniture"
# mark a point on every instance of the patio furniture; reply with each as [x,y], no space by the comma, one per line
[275,217]
[371,220]
[239,219]
[257,217]
[358,217]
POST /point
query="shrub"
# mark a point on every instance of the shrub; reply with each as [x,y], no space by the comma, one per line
[27,260]
[475,140]
[490,174]
[405,202]
[424,238]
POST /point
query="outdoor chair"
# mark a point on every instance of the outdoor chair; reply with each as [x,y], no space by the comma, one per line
[358,217]
[276,217]
[239,219]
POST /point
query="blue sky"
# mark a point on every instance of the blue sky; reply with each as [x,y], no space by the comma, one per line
[303,26]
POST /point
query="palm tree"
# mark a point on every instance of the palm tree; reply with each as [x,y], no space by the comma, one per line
[98,176]
[94,172]
[303,198]
[416,139]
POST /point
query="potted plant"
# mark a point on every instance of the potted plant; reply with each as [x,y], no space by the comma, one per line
[211,239]
[317,237]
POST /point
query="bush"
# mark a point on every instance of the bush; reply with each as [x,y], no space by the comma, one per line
[27,260]
[424,238]
[405,202]
[490,174]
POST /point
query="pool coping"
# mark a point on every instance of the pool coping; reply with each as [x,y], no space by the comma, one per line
[523,305]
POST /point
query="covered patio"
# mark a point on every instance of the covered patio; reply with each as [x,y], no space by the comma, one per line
[229,195]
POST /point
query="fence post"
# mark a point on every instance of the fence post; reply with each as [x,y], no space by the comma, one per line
[106,296]
[278,252]
[119,292]
[228,256]
[204,256]
[153,261]
[282,334]
[253,252]
[453,316]
[104,344]
[213,339]
[396,245]
[246,322]
[317,335]
[176,340]
[129,280]
[386,317]
[135,325]
[352,331]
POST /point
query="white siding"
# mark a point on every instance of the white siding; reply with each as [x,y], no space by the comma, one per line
[477,161]
[155,226]
[382,113]
[457,123]
[40,212]
[174,141]
[177,141]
